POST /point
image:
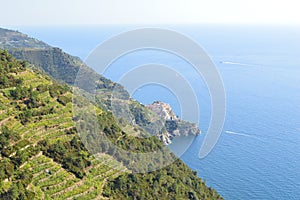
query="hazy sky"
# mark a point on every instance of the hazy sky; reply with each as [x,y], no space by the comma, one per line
[89,12]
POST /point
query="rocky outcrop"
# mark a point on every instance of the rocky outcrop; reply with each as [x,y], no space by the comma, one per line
[163,110]
[174,126]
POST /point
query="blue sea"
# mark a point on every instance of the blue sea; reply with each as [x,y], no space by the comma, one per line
[258,153]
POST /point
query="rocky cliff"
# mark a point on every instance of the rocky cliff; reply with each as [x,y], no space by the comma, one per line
[174,125]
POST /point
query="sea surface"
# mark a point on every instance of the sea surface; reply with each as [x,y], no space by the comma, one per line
[258,153]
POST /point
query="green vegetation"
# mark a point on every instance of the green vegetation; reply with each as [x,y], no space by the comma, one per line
[42,157]
[70,154]
[9,80]
[56,63]
[6,137]
[176,181]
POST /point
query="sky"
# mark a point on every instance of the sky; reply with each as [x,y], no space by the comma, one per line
[97,12]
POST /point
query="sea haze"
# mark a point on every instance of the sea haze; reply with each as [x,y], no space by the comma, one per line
[258,153]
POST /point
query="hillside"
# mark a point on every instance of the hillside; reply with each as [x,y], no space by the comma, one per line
[64,68]
[14,39]
[42,156]
[56,63]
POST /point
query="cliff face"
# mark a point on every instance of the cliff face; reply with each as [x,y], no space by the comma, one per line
[174,125]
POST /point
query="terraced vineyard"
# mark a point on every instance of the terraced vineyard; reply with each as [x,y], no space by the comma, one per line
[42,157]
[49,179]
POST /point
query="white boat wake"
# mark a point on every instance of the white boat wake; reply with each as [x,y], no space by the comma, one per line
[241,134]
[237,63]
